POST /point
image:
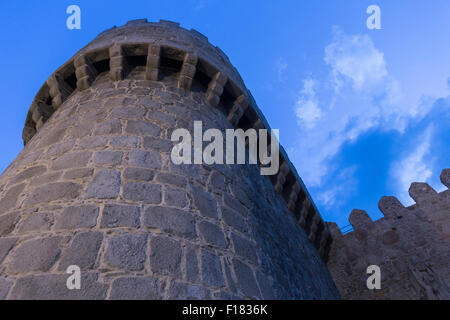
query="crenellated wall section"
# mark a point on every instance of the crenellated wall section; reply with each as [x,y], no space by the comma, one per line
[411,245]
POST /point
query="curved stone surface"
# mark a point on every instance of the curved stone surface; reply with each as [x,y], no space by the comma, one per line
[95,186]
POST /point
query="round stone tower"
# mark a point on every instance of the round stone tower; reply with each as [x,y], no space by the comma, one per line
[95,186]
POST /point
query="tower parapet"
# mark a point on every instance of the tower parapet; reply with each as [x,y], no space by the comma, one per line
[95,185]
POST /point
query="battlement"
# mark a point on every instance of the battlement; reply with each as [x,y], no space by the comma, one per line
[428,203]
[410,244]
[188,55]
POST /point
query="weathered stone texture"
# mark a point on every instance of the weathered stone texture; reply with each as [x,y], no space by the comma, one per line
[78,217]
[114,216]
[83,251]
[127,251]
[95,187]
[35,255]
[410,245]
[136,288]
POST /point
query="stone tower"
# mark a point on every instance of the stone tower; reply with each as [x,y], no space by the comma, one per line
[95,186]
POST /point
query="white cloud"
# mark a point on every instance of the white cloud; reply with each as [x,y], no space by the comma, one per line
[414,167]
[307,109]
[355,57]
[358,94]
[281,67]
[308,113]
[345,186]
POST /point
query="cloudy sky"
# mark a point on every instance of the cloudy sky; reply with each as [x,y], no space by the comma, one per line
[362,113]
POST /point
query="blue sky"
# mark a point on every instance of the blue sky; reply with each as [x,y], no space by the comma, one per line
[362,113]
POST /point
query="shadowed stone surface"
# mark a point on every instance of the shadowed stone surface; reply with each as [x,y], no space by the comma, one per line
[165,256]
[138,288]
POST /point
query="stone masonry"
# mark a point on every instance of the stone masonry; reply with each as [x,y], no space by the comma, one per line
[95,186]
[410,245]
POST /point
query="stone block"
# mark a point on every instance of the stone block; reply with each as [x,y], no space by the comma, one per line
[136,288]
[204,202]
[246,279]
[10,198]
[82,252]
[54,191]
[138,174]
[234,204]
[108,157]
[183,291]
[78,173]
[445,177]
[145,192]
[165,256]
[172,179]
[420,192]
[124,142]
[212,274]
[127,252]
[53,287]
[359,219]
[108,127]
[191,265]
[234,220]
[175,197]
[93,142]
[212,234]
[35,255]
[72,160]
[244,248]
[105,184]
[6,244]
[129,113]
[84,216]
[171,220]
[114,216]
[142,128]
[8,223]
[5,286]
[28,174]
[164,118]
[41,221]
[146,159]
[60,148]
[46,178]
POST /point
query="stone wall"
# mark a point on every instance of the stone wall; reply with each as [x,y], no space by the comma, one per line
[95,186]
[411,246]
